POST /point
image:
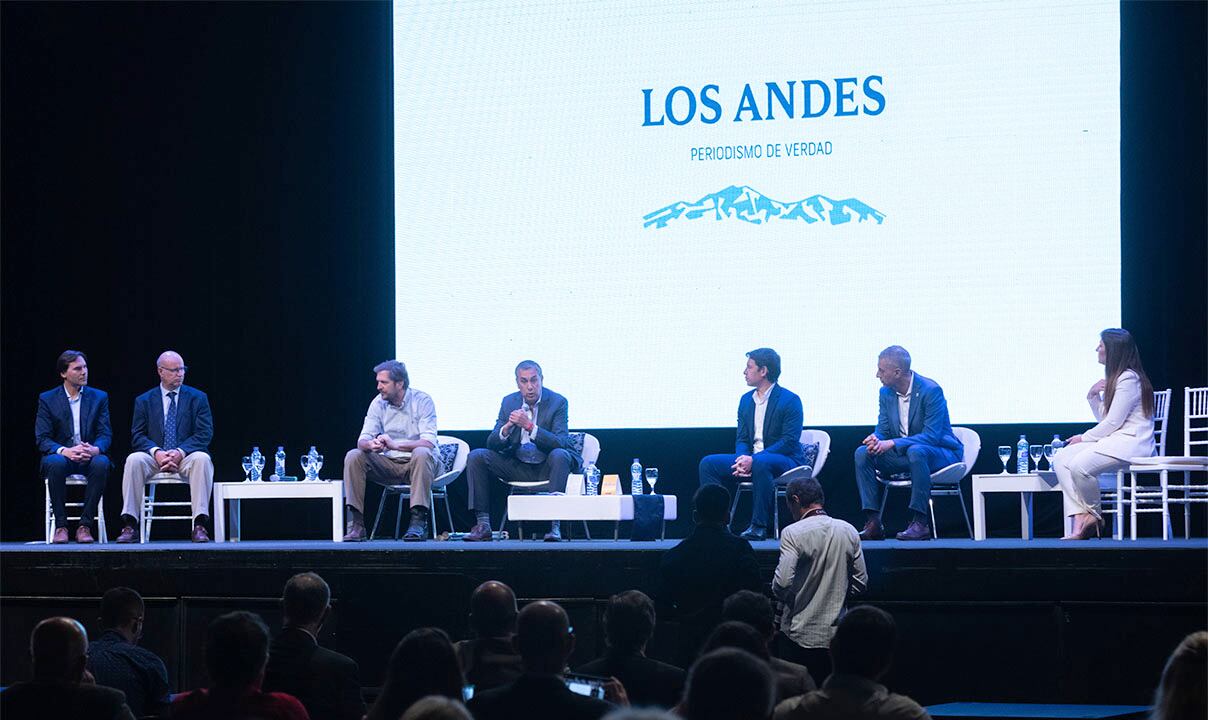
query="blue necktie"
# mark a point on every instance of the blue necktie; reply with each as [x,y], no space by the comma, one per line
[170,423]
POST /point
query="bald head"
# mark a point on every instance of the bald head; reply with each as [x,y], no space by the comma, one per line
[59,646]
[171,368]
[493,610]
[543,637]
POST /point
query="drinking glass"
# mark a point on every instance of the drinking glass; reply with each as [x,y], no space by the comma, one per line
[247,467]
[317,466]
[1034,452]
[258,468]
[1004,454]
[652,477]
[1048,455]
[306,465]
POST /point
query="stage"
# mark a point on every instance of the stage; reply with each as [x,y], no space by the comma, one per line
[1001,620]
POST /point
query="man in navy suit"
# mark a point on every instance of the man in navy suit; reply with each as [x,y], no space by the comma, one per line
[530,443]
[72,430]
[171,433]
[913,435]
[768,440]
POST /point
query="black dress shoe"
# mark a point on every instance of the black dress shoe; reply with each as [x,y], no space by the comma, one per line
[753,534]
[554,535]
[872,530]
[915,531]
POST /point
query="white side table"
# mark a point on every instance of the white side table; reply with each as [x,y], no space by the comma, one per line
[237,491]
[1025,484]
[614,508]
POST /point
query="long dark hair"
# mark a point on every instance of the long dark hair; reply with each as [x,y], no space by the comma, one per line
[1182,692]
[1122,354]
[423,663]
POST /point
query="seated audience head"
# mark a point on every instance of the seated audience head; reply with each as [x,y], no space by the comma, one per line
[305,600]
[423,663]
[752,608]
[629,621]
[493,610]
[804,493]
[236,650]
[711,505]
[729,684]
[640,713]
[738,635]
[437,707]
[864,642]
[759,362]
[543,637]
[122,610]
[59,648]
[1183,692]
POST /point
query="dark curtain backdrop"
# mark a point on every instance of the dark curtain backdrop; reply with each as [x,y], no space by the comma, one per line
[217,179]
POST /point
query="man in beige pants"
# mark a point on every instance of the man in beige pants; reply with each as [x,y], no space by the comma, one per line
[397,445]
[171,433]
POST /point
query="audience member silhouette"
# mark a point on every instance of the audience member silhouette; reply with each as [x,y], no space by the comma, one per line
[861,652]
[236,651]
[323,680]
[728,684]
[703,570]
[423,664]
[490,659]
[545,641]
[437,707]
[116,660]
[61,686]
[755,610]
[629,622]
[1183,692]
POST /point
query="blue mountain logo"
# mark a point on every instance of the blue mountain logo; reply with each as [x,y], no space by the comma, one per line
[749,205]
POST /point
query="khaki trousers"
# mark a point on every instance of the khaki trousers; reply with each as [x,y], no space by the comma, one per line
[417,471]
[197,468]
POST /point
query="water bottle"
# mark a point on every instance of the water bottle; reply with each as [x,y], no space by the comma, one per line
[279,464]
[591,477]
[1021,459]
[257,463]
[1058,443]
[309,465]
[635,478]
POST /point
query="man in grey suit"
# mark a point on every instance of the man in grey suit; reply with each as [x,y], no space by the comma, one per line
[913,435]
[530,443]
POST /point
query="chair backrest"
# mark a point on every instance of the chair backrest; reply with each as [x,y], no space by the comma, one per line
[1161,412]
[1195,421]
[459,461]
[591,448]
[972,442]
[823,439]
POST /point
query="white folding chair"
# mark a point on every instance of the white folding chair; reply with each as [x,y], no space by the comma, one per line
[73,481]
[1156,498]
[452,465]
[150,503]
[808,437]
[945,482]
[591,454]
[1112,495]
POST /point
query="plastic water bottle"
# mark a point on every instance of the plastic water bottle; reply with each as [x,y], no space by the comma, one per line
[635,478]
[311,457]
[1021,459]
[257,463]
[591,478]
[1058,443]
[279,464]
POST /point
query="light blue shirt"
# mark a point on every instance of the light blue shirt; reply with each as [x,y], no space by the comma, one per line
[414,419]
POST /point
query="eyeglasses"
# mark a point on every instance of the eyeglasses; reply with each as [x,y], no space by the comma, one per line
[180,369]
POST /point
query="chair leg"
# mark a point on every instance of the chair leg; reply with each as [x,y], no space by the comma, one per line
[1118,530]
[432,512]
[586,531]
[1186,506]
[734,503]
[378,518]
[1132,494]
[884,502]
[398,516]
[148,515]
[776,512]
[448,511]
[1165,506]
[935,529]
[960,495]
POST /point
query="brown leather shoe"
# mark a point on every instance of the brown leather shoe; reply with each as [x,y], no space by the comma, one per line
[479,533]
[872,530]
[60,537]
[84,535]
[200,535]
[915,531]
[127,535]
[355,533]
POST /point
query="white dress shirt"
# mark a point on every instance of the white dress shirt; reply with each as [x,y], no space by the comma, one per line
[904,408]
[74,404]
[531,412]
[761,410]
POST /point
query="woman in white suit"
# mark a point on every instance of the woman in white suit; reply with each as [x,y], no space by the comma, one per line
[1123,405]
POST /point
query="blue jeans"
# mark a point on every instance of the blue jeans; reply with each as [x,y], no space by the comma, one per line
[765,468]
[919,460]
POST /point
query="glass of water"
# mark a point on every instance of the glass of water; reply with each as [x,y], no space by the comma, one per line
[1004,454]
[652,477]
[1034,452]
[317,465]
[247,467]
[1048,455]
[306,466]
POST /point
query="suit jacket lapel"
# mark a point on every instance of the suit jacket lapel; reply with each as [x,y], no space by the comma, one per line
[86,408]
[773,399]
[916,393]
[155,417]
